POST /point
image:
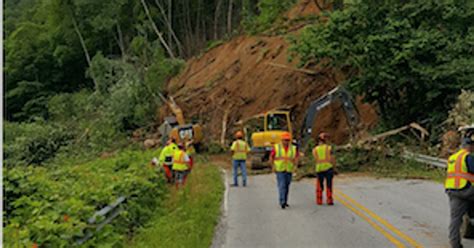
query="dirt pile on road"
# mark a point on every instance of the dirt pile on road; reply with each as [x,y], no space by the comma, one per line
[250,75]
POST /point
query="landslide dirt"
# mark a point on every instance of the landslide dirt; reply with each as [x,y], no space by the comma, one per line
[240,77]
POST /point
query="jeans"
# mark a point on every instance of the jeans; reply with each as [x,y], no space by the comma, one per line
[321,177]
[235,166]
[459,203]
[180,176]
[283,182]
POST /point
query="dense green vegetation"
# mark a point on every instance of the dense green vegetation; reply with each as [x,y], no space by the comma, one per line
[81,76]
[190,216]
[51,206]
[410,57]
[60,46]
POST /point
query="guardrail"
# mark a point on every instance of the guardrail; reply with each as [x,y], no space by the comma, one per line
[109,212]
[438,162]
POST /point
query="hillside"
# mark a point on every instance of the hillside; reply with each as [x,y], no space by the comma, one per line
[246,76]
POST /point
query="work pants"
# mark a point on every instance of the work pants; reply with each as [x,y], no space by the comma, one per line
[459,201]
[283,182]
[180,178]
[168,174]
[236,164]
[321,177]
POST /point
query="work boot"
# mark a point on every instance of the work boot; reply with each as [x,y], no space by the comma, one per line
[319,193]
[319,197]
[329,196]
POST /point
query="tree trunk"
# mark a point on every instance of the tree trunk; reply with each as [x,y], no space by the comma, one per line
[170,20]
[157,31]
[229,16]
[168,23]
[120,41]
[216,17]
[84,48]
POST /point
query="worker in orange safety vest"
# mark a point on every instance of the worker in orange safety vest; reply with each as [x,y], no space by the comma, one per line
[181,165]
[458,184]
[325,162]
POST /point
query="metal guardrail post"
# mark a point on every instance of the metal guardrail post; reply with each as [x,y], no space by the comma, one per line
[438,162]
[110,212]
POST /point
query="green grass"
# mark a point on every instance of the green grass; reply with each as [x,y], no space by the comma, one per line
[190,216]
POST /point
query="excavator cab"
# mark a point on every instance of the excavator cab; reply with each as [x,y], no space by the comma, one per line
[268,130]
[276,122]
[175,126]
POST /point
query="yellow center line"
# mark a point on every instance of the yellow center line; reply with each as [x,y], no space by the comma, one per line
[382,221]
[376,226]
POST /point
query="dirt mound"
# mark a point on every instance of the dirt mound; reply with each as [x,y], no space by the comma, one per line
[251,75]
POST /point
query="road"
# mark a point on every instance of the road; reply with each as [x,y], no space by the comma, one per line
[368,212]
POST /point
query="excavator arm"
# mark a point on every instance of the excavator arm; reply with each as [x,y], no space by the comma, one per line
[337,93]
[178,113]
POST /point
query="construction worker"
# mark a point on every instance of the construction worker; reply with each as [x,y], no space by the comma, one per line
[284,159]
[166,158]
[181,164]
[459,180]
[239,150]
[190,151]
[325,162]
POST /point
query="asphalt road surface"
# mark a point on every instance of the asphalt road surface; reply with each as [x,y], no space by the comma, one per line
[368,212]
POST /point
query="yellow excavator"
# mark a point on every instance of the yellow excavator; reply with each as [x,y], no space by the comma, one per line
[175,126]
[266,129]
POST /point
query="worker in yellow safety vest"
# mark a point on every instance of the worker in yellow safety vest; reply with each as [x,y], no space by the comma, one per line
[239,149]
[325,162]
[191,151]
[458,184]
[180,165]
[166,159]
[284,159]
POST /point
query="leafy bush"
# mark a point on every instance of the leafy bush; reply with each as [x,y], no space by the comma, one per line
[410,57]
[463,111]
[269,12]
[51,207]
[33,143]
[215,148]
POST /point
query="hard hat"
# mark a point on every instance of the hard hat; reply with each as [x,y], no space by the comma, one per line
[323,136]
[469,140]
[239,134]
[286,136]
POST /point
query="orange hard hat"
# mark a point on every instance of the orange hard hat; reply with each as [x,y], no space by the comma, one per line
[286,136]
[323,136]
[239,134]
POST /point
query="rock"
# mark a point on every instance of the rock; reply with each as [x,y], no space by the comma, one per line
[149,143]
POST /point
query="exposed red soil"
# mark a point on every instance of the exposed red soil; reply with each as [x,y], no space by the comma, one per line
[237,77]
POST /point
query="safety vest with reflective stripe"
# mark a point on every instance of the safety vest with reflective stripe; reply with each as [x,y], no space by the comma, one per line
[458,174]
[179,164]
[322,157]
[240,149]
[284,159]
[166,155]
